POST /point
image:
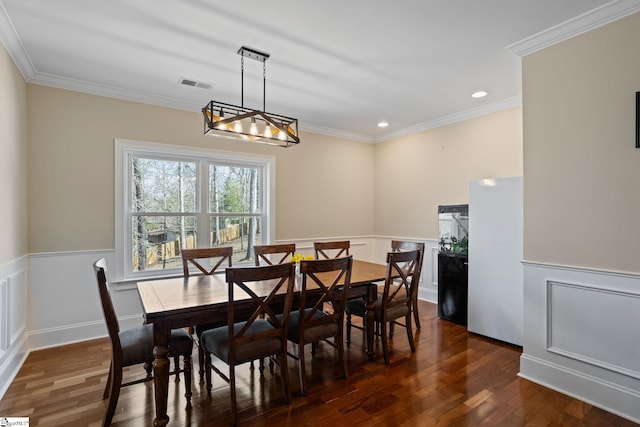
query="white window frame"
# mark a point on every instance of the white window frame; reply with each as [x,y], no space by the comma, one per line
[124,149]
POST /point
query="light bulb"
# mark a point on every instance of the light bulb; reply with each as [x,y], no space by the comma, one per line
[237,127]
[267,131]
[217,119]
[253,130]
[282,136]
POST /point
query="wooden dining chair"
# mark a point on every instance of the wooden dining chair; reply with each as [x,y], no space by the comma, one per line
[264,253]
[401,282]
[328,250]
[135,346]
[215,257]
[399,246]
[328,281]
[262,334]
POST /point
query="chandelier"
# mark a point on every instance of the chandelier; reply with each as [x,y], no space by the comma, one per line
[248,124]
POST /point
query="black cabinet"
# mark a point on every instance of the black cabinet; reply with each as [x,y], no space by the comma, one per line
[452,287]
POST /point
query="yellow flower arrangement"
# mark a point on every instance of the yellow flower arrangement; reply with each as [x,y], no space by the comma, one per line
[296,258]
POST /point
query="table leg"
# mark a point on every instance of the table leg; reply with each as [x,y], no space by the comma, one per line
[161,373]
[372,294]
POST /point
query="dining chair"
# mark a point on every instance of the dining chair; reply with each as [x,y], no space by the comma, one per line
[323,282]
[401,282]
[215,257]
[253,329]
[328,250]
[135,346]
[264,253]
[399,246]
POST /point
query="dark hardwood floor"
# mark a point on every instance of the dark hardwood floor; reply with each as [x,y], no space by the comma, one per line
[453,379]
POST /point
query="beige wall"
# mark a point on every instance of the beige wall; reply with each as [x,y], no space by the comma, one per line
[13,156]
[581,170]
[324,186]
[416,173]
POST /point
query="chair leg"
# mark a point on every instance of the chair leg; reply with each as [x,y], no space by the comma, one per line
[409,332]
[116,383]
[232,384]
[201,362]
[385,341]
[107,389]
[207,371]
[148,367]
[364,332]
[348,329]
[414,306]
[284,376]
[176,367]
[187,378]
[301,370]
[341,356]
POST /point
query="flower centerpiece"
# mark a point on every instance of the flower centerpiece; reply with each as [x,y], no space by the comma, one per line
[296,258]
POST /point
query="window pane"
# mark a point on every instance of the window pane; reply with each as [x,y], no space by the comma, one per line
[158,240]
[163,185]
[235,189]
[243,233]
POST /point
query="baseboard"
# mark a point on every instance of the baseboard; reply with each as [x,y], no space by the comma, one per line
[605,395]
[429,295]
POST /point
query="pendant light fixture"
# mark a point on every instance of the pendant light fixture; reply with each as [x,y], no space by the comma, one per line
[248,124]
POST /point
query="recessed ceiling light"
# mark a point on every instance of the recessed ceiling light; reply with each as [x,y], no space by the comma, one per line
[383,124]
[479,94]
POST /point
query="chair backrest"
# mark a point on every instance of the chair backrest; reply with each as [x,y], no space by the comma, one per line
[268,281]
[263,252]
[401,245]
[217,255]
[403,275]
[328,250]
[100,269]
[330,280]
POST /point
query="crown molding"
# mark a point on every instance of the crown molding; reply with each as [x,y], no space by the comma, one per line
[460,116]
[580,24]
[111,92]
[321,130]
[13,45]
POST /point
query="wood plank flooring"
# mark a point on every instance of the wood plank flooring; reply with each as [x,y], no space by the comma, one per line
[454,378]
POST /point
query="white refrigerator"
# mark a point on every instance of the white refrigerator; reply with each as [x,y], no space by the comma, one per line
[495,255]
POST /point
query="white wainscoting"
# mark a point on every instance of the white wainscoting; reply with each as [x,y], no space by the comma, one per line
[13,320]
[65,305]
[582,335]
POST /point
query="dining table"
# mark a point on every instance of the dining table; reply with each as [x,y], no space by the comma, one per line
[170,303]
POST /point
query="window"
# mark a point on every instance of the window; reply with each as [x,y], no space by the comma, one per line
[171,198]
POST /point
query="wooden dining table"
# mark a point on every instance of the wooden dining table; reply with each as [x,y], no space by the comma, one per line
[182,302]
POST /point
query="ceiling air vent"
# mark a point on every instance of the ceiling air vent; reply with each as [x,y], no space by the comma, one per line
[195,83]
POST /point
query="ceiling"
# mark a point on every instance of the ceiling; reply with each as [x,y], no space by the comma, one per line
[338,66]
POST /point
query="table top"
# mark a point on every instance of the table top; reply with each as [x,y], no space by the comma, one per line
[199,292]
